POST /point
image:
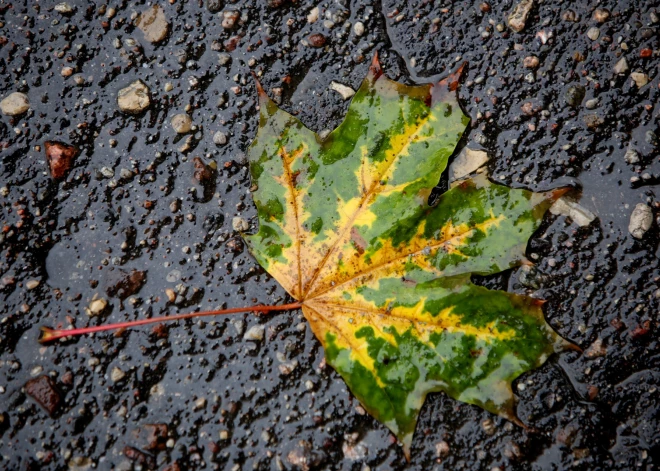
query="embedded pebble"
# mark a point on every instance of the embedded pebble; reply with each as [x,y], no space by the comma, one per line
[60,158]
[32,284]
[255,332]
[596,349]
[345,91]
[240,224]
[199,404]
[601,15]
[134,98]
[567,207]
[442,449]
[591,104]
[116,374]
[219,138]
[229,18]
[223,58]
[641,220]
[64,8]
[593,33]
[96,307]
[639,78]
[153,24]
[313,15]
[621,67]
[288,367]
[518,16]
[43,390]
[15,104]
[631,157]
[358,28]
[575,95]
[531,62]
[181,123]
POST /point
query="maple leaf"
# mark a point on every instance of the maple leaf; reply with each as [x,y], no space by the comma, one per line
[382,277]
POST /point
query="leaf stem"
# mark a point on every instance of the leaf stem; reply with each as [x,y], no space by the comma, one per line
[49,335]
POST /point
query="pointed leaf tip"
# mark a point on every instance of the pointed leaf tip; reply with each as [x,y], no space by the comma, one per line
[260,90]
[444,89]
[554,195]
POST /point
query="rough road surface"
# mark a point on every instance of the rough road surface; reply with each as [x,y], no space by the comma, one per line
[122,140]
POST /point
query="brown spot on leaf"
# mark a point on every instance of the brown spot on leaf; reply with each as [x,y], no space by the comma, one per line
[358,241]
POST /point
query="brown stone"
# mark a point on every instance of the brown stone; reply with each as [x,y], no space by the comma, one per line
[43,390]
[317,40]
[201,171]
[60,158]
[137,456]
[122,283]
[151,437]
[153,24]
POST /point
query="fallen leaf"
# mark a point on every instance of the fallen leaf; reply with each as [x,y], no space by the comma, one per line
[384,279]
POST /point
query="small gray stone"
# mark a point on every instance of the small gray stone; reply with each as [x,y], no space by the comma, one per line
[219,138]
[223,58]
[229,18]
[107,172]
[621,66]
[641,220]
[593,33]
[117,374]
[288,367]
[591,104]
[255,332]
[575,95]
[80,463]
[239,224]
[181,123]
[313,15]
[631,157]
[639,78]
[15,104]
[173,276]
[343,90]
[567,207]
[64,8]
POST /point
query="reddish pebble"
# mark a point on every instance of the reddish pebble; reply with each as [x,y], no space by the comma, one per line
[645,53]
[42,390]
[641,331]
[60,158]
[201,171]
[317,40]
